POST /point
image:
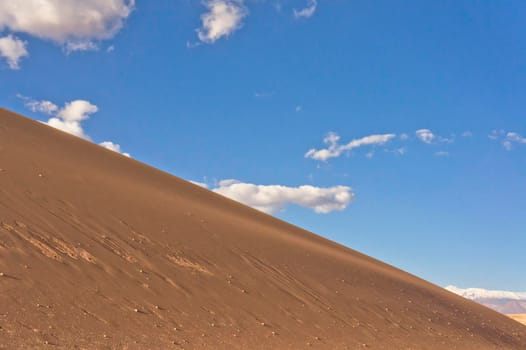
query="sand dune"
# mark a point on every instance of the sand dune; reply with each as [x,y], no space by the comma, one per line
[519,317]
[98,251]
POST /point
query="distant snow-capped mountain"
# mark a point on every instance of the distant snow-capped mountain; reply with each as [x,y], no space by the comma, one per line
[501,301]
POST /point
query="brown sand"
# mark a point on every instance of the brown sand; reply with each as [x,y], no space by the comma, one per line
[98,251]
[520,318]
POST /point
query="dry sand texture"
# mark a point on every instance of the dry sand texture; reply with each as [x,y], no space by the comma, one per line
[98,251]
[521,318]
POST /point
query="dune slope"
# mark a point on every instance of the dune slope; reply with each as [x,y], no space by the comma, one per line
[98,251]
[519,317]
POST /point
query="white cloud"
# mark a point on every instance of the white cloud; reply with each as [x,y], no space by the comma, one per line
[515,137]
[404,137]
[427,136]
[511,138]
[467,134]
[73,128]
[308,11]
[46,107]
[335,150]
[272,198]
[69,118]
[13,49]
[508,138]
[222,19]
[72,46]
[77,111]
[113,147]
[479,293]
[78,24]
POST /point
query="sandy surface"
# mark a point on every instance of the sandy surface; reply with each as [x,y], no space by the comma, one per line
[521,318]
[98,251]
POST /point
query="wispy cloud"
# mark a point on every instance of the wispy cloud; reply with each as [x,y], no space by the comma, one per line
[513,138]
[272,198]
[69,118]
[46,107]
[307,11]
[442,154]
[72,46]
[398,151]
[335,150]
[496,134]
[508,139]
[13,50]
[427,136]
[222,19]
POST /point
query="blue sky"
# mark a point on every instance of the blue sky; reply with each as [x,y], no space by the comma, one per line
[427,97]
